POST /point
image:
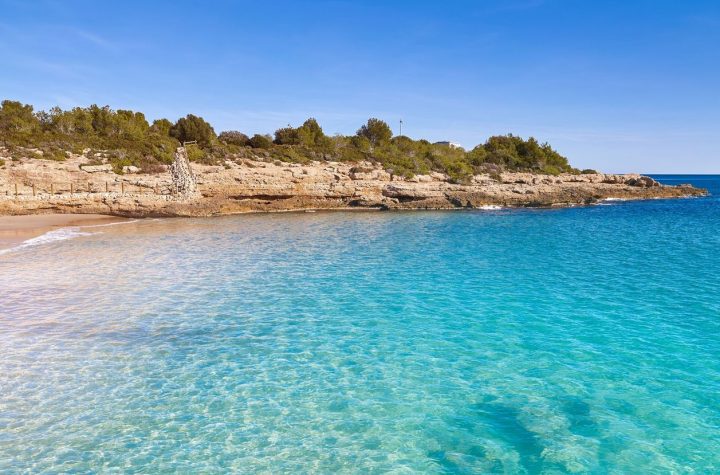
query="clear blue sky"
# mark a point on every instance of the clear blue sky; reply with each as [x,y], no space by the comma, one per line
[615,85]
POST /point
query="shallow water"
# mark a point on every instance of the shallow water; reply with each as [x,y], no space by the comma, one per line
[546,341]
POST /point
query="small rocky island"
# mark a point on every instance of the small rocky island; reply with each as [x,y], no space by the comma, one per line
[97,160]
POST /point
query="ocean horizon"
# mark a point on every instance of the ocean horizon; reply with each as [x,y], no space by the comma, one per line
[573,340]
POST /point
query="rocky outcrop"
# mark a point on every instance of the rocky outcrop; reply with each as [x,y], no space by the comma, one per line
[259,185]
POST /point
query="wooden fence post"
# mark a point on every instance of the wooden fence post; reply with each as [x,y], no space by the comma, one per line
[122,187]
[106,187]
[16,191]
[33,189]
[52,188]
[71,189]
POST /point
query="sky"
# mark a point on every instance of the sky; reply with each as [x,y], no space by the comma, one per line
[619,86]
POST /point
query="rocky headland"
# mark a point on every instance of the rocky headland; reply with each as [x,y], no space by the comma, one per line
[79,185]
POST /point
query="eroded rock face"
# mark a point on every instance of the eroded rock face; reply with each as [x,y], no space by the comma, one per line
[259,185]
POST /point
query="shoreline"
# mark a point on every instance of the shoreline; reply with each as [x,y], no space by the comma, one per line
[15,230]
[263,186]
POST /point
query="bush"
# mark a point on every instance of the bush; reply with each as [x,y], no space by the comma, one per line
[233,137]
[195,154]
[376,131]
[260,141]
[286,136]
[551,170]
[127,138]
[192,127]
[588,171]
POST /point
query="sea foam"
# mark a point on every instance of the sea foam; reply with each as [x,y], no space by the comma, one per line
[61,234]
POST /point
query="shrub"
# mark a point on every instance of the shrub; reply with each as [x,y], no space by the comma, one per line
[233,137]
[192,127]
[286,136]
[127,138]
[195,154]
[376,131]
[588,171]
[161,127]
[551,170]
[260,141]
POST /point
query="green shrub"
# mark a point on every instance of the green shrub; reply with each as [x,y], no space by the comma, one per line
[376,131]
[127,138]
[195,154]
[233,137]
[193,128]
[260,141]
[551,170]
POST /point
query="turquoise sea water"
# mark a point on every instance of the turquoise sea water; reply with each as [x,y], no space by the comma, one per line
[583,340]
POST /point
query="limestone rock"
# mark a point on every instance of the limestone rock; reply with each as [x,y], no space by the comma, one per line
[97,168]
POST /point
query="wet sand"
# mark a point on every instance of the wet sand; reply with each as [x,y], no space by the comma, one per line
[16,229]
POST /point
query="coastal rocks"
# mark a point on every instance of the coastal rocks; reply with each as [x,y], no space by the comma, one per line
[642,181]
[250,186]
[107,168]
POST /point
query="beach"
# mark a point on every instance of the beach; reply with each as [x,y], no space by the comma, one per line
[15,230]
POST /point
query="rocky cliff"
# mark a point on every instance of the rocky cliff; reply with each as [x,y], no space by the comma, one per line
[74,185]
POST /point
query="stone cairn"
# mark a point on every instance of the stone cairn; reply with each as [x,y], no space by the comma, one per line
[184,185]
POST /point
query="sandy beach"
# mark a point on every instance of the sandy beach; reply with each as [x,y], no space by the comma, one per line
[17,229]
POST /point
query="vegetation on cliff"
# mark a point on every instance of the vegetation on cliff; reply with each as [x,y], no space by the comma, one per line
[123,137]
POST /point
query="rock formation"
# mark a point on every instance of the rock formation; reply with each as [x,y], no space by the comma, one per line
[243,185]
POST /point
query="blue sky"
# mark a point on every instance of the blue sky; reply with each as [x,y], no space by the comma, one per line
[616,85]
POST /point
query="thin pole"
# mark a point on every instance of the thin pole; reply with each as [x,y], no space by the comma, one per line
[122,187]
[106,187]
[52,188]
[71,189]
[16,192]
[33,189]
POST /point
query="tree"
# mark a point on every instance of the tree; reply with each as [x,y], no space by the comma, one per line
[477,156]
[131,125]
[192,127]
[260,141]
[376,131]
[233,137]
[161,126]
[310,133]
[286,136]
[17,117]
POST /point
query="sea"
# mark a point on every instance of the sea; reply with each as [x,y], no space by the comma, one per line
[513,341]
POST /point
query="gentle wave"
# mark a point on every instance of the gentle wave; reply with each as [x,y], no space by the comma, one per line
[490,207]
[110,224]
[61,234]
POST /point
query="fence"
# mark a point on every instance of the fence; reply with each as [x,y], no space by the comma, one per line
[73,188]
